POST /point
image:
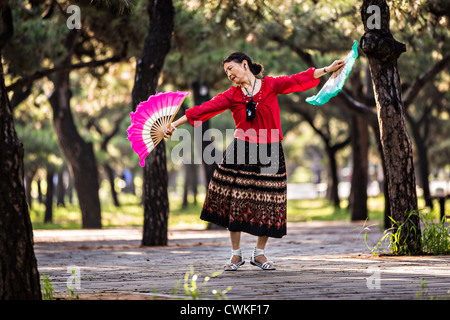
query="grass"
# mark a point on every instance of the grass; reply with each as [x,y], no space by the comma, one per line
[130,213]
[404,239]
[323,210]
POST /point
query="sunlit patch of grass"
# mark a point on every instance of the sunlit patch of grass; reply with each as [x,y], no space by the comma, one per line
[188,215]
[314,209]
[131,212]
[323,210]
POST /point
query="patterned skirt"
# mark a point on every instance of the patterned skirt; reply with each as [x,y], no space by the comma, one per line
[248,190]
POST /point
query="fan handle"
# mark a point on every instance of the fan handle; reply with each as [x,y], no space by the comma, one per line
[174,114]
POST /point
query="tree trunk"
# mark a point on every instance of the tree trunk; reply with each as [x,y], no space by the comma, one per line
[424,170]
[156,198]
[190,183]
[79,154]
[28,181]
[38,182]
[60,189]
[48,217]
[19,277]
[360,152]
[382,51]
[148,69]
[333,187]
[111,175]
[422,154]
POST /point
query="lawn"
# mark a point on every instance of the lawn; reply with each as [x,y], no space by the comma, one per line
[130,213]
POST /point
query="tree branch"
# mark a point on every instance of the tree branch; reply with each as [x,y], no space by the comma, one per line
[46,72]
[418,83]
[355,105]
[114,131]
[310,120]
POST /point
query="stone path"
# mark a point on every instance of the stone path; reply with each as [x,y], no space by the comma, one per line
[316,260]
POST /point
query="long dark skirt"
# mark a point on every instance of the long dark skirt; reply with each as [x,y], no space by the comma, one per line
[248,190]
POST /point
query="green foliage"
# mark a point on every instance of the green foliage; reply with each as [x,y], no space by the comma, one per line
[34,40]
[406,238]
[47,288]
[72,294]
[435,237]
[424,293]
[40,144]
[401,239]
[197,291]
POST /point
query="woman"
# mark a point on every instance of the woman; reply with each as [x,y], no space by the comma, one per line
[241,195]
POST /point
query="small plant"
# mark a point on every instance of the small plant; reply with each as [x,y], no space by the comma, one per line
[435,237]
[196,291]
[70,287]
[72,294]
[423,293]
[406,239]
[47,288]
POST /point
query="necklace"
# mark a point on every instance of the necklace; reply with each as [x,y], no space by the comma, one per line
[251,105]
[253,89]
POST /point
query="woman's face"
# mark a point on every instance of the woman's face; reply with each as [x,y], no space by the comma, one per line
[235,71]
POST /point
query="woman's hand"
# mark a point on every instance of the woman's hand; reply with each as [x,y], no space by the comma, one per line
[336,65]
[173,126]
[170,129]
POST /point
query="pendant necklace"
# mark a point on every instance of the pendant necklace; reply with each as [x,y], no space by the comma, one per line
[250,107]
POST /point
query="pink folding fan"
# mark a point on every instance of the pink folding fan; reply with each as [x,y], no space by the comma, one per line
[150,121]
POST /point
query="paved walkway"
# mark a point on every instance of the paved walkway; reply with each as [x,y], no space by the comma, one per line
[316,260]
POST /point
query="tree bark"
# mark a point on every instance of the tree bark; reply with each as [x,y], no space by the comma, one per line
[382,51]
[148,69]
[19,277]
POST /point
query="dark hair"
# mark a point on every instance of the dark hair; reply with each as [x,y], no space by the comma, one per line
[256,68]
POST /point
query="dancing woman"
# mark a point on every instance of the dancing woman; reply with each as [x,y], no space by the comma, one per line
[246,192]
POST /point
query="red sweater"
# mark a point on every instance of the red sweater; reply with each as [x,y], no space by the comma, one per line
[266,125]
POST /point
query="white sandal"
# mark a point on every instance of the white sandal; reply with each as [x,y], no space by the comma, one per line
[268,265]
[234,266]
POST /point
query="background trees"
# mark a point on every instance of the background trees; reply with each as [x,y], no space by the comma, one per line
[76,87]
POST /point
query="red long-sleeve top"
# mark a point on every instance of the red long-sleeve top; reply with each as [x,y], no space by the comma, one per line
[266,126]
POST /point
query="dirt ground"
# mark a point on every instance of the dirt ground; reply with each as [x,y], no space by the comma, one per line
[316,260]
